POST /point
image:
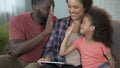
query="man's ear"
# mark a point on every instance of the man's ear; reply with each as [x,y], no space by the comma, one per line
[35,7]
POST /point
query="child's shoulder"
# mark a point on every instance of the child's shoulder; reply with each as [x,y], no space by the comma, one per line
[79,39]
[101,45]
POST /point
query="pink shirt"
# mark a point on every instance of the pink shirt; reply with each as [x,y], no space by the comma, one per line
[24,28]
[92,54]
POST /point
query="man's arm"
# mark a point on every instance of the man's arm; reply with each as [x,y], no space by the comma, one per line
[19,47]
[49,51]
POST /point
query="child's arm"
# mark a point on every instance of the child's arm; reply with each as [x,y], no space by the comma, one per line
[111,60]
[64,49]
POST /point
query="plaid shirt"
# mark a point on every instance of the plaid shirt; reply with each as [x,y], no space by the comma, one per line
[53,45]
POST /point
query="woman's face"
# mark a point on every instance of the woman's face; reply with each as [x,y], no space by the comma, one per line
[76,9]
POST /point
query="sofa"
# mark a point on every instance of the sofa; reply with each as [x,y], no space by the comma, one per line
[116,41]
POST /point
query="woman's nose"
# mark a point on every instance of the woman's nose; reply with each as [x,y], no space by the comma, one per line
[71,10]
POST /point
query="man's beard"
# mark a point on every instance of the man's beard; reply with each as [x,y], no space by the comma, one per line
[42,18]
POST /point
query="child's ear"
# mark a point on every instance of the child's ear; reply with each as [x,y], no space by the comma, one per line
[92,28]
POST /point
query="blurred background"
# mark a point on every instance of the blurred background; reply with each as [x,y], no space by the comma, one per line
[9,8]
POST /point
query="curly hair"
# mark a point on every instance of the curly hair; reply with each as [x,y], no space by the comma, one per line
[102,22]
[87,4]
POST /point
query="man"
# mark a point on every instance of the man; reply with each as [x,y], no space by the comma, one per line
[28,34]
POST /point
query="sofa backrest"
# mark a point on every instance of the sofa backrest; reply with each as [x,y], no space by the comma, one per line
[116,41]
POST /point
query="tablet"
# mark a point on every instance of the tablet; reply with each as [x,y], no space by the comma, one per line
[51,62]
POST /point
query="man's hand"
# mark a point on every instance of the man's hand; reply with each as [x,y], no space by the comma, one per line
[49,23]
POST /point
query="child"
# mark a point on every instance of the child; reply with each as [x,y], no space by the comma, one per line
[95,44]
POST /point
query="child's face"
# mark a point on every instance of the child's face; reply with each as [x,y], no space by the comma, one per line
[86,26]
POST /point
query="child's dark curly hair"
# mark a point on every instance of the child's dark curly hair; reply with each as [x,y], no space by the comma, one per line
[87,4]
[102,22]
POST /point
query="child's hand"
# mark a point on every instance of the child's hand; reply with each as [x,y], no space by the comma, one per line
[69,30]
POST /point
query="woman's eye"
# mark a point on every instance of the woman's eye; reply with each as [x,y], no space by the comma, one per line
[76,7]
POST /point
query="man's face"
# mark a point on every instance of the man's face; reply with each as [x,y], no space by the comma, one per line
[42,10]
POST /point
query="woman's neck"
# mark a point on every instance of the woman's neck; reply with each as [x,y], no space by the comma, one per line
[76,28]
